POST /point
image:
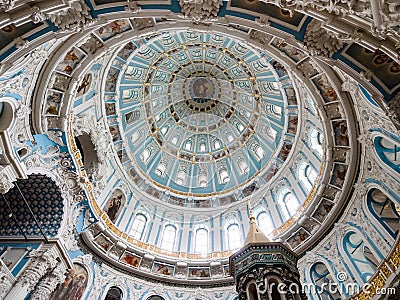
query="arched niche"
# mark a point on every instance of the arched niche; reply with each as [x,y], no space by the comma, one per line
[324,282]
[252,292]
[6,115]
[362,257]
[155,297]
[388,150]
[274,288]
[114,293]
[89,155]
[74,285]
[114,205]
[385,210]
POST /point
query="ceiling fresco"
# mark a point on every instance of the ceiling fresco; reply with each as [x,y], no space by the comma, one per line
[191,106]
[186,117]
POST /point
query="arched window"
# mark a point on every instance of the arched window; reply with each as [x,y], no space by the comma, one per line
[188,145]
[242,165]
[322,279]
[146,154]
[201,241]
[181,176]
[389,152]
[385,211]
[114,293]
[223,176]
[6,115]
[316,140]
[202,146]
[264,221]
[258,151]
[136,136]
[164,129]
[360,255]
[155,298]
[228,135]
[160,170]
[273,110]
[252,293]
[307,176]
[233,235]
[202,177]
[168,238]
[288,203]
[138,226]
[268,131]
[216,144]
[174,140]
[275,293]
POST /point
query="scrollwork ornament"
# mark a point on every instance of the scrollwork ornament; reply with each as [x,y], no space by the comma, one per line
[49,283]
[37,15]
[361,189]
[200,10]
[318,41]
[77,16]
[41,262]
[5,181]
[7,4]
[6,280]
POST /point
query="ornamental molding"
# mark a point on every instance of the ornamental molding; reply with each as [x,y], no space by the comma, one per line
[49,283]
[200,10]
[394,110]
[344,7]
[76,17]
[85,260]
[357,216]
[7,4]
[361,190]
[6,182]
[382,16]
[132,7]
[6,280]
[319,41]
[40,262]
[261,37]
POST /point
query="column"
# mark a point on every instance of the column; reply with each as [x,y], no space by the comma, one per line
[49,283]
[6,280]
[40,262]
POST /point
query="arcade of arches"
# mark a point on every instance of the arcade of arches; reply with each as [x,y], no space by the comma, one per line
[147,147]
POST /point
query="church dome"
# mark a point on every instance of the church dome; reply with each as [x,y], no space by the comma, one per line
[166,123]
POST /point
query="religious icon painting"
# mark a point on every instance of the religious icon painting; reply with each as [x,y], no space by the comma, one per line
[163,269]
[71,60]
[112,29]
[73,286]
[114,205]
[104,243]
[53,102]
[199,272]
[130,259]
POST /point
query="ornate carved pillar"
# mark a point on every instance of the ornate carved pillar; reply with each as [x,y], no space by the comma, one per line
[6,280]
[40,262]
[49,283]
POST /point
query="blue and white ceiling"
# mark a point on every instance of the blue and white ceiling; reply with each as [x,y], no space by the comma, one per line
[202,114]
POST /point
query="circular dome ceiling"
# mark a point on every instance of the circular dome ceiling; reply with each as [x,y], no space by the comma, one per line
[203,115]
